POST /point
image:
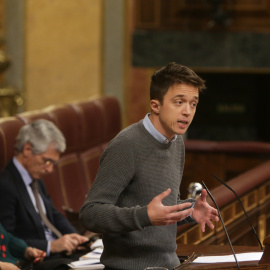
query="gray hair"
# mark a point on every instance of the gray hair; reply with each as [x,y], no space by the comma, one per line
[40,134]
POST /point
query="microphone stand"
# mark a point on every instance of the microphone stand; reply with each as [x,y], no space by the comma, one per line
[210,195]
[227,186]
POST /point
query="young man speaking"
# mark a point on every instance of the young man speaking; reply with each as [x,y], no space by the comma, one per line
[135,201]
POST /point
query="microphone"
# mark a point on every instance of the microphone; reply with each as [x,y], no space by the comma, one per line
[212,198]
[247,217]
[194,190]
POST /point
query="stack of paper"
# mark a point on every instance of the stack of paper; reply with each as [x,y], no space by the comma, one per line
[95,254]
[241,257]
[90,260]
[86,264]
[97,244]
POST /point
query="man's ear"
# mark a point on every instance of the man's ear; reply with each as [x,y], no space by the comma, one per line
[155,105]
[27,149]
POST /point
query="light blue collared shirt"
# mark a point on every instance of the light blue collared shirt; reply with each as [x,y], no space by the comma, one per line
[153,131]
[27,179]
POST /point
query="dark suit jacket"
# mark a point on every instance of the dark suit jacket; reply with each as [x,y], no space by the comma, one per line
[18,215]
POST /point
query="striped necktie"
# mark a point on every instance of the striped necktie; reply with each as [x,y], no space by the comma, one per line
[34,186]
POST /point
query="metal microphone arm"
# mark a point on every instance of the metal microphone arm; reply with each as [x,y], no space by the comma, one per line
[210,195]
[227,186]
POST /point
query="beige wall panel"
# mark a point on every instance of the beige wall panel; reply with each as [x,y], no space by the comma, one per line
[63,50]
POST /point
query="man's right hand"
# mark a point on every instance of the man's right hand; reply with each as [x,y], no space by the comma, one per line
[167,215]
[67,242]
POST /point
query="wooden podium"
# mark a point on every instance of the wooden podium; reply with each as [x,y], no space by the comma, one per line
[187,253]
[266,255]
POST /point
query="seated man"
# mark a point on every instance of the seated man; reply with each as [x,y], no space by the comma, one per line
[26,210]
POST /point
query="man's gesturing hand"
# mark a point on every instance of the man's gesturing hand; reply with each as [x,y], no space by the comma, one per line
[204,213]
[166,215]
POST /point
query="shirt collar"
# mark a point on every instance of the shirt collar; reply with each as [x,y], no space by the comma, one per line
[23,172]
[153,131]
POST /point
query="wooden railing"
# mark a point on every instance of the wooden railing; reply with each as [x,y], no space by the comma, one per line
[253,188]
[225,159]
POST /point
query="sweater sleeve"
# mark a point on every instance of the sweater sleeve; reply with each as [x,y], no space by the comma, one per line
[15,247]
[100,212]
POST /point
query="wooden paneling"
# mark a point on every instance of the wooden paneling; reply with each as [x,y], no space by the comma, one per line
[248,5]
[1,34]
[1,18]
[198,15]
[147,13]
[199,166]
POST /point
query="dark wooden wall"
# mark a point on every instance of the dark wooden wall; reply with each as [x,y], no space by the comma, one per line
[224,159]
[240,15]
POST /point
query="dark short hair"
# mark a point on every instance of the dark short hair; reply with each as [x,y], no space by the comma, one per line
[170,75]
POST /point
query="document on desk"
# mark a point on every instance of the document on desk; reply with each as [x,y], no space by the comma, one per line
[241,257]
[90,260]
[86,264]
[95,254]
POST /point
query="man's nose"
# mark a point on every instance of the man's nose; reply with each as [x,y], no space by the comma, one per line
[49,168]
[187,109]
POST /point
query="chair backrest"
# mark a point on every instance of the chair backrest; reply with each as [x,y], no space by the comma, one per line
[9,128]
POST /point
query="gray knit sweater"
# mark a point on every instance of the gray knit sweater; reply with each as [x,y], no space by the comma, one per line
[134,169]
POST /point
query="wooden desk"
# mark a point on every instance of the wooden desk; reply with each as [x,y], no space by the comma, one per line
[183,251]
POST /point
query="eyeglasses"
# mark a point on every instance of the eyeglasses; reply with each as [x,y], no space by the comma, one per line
[48,162]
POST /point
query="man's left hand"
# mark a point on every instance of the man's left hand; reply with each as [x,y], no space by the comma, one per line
[204,213]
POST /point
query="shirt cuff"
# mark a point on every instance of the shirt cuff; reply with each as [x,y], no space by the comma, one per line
[192,206]
[48,248]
